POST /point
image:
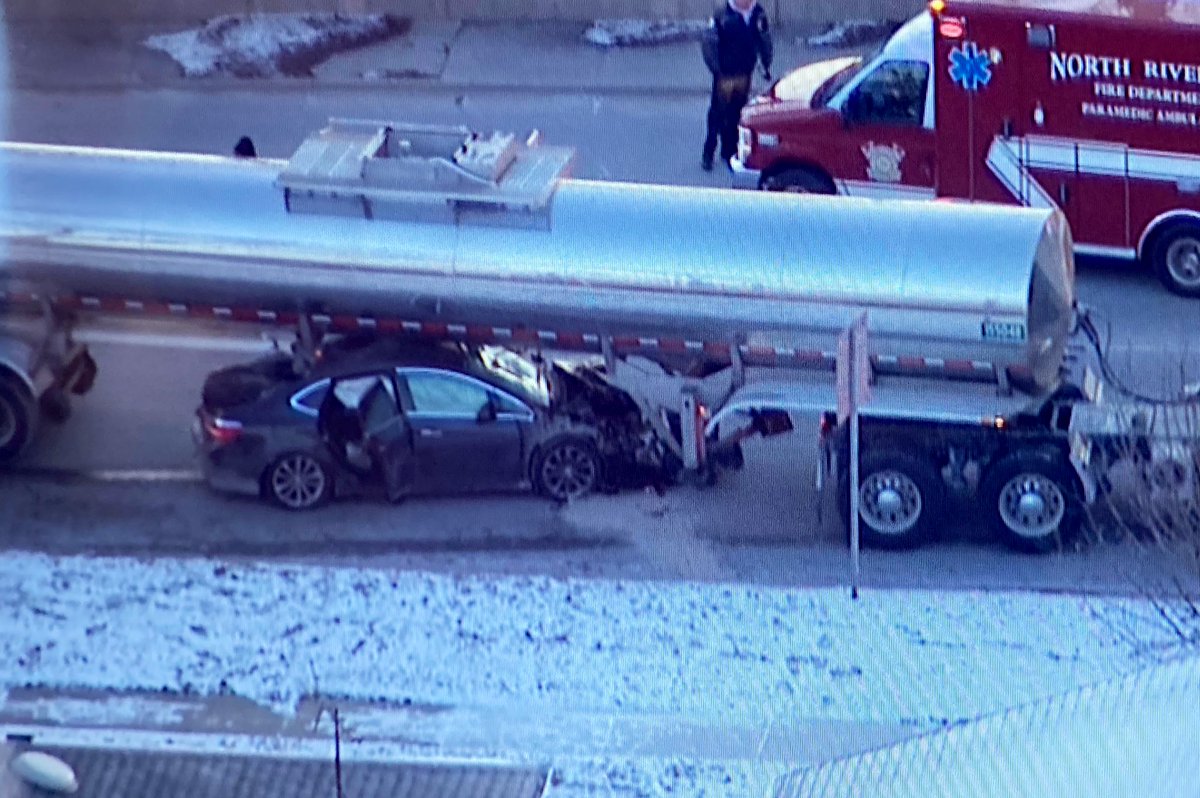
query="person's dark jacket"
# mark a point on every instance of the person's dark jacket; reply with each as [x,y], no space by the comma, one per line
[731,47]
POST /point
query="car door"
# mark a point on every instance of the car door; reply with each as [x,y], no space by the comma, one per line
[388,438]
[889,149]
[461,442]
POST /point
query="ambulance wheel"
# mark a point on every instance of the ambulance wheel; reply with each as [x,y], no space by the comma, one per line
[1175,256]
[1032,497]
[18,417]
[799,181]
[901,498]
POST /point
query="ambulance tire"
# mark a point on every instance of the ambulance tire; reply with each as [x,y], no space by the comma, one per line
[1175,257]
[799,180]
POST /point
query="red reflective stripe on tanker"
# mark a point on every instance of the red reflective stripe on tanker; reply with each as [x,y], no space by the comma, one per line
[154,308]
[434,329]
[623,342]
[718,349]
[526,335]
[479,333]
[812,358]
[960,366]
[573,340]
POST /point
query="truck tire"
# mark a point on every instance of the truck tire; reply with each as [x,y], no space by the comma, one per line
[901,498]
[1032,499]
[799,180]
[1175,258]
[567,467]
[18,417]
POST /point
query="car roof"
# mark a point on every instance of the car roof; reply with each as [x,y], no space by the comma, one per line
[342,359]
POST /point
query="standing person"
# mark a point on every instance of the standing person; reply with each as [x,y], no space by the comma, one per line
[737,38]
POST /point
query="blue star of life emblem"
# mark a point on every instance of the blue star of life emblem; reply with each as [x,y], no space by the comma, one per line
[969,67]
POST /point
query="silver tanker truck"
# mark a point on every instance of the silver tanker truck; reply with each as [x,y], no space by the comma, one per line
[979,362]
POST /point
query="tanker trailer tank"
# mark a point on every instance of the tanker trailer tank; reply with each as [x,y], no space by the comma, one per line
[424,224]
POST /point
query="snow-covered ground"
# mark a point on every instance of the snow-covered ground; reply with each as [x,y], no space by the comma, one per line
[261,45]
[716,654]
[642,32]
[853,32]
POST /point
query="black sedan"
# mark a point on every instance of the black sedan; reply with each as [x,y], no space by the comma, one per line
[409,417]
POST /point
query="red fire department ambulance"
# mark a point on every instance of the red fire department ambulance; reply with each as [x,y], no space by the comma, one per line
[1090,105]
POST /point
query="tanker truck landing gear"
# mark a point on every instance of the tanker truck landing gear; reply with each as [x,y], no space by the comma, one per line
[40,366]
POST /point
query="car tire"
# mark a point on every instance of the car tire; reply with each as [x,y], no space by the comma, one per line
[1032,499]
[799,181]
[1175,258]
[298,481]
[567,467]
[18,417]
[902,498]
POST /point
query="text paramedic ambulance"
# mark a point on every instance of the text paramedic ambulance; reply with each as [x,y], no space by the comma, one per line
[1090,105]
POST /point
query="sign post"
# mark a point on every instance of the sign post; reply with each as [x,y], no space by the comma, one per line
[854,390]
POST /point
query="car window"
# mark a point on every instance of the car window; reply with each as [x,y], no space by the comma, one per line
[351,390]
[894,93]
[308,399]
[507,404]
[378,406]
[441,393]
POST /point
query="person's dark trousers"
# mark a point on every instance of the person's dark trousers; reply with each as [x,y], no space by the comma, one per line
[729,96]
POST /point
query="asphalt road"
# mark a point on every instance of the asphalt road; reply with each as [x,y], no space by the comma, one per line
[759,524]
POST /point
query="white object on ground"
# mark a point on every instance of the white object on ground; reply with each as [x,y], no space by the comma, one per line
[642,32]
[852,32]
[44,771]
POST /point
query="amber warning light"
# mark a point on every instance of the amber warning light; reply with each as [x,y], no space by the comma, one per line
[937,6]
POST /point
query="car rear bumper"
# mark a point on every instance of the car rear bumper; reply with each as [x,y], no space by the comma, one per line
[743,176]
[217,475]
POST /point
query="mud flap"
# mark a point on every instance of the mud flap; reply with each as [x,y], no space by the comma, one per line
[80,373]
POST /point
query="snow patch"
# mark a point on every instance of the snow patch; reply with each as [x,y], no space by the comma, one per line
[854,32]
[716,653]
[263,45]
[642,32]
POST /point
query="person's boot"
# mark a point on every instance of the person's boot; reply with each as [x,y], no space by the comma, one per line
[706,163]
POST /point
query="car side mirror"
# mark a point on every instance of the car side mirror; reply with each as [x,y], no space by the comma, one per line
[486,414]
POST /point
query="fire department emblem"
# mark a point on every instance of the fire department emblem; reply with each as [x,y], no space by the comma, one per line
[883,161]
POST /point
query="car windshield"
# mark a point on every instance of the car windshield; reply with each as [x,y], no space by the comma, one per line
[831,87]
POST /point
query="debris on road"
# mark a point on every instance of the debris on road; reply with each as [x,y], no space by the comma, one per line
[642,32]
[264,45]
[854,32]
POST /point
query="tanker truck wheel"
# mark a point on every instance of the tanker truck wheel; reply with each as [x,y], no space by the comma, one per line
[18,417]
[1032,498]
[799,181]
[901,498]
[1175,257]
